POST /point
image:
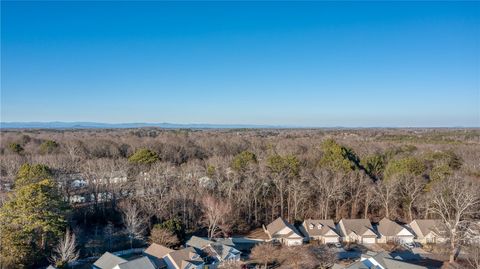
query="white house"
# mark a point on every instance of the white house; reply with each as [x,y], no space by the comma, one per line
[356,230]
[427,231]
[281,231]
[390,231]
[321,230]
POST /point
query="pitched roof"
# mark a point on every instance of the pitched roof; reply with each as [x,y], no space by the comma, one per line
[278,225]
[185,256]
[219,248]
[423,227]
[140,263]
[383,259]
[223,250]
[108,261]
[318,227]
[157,251]
[358,226]
[387,227]
[198,242]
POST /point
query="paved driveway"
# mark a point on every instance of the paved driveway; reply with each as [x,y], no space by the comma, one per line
[351,254]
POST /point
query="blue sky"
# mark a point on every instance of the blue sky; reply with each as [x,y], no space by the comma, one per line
[307,63]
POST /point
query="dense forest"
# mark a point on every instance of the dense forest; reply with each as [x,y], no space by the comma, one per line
[116,188]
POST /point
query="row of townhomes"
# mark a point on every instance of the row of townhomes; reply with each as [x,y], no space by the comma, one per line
[199,253]
[203,253]
[354,231]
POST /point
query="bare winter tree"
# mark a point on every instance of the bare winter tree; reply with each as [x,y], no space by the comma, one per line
[455,200]
[472,244]
[473,255]
[215,215]
[164,237]
[386,191]
[411,188]
[325,257]
[135,223]
[297,257]
[66,250]
[264,253]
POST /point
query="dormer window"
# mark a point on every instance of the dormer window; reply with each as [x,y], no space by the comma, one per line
[319,226]
[310,226]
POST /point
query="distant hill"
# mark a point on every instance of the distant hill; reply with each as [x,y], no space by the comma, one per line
[99,125]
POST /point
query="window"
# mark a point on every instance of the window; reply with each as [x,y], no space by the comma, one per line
[310,226]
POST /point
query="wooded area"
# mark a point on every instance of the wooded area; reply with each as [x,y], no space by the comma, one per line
[113,188]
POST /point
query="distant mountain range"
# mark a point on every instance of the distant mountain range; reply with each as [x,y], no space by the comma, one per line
[99,125]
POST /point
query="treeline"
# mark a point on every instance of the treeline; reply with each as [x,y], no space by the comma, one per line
[229,182]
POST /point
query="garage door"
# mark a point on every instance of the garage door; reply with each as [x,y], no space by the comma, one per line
[368,240]
[330,240]
[406,239]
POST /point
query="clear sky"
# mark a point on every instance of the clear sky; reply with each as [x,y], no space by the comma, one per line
[308,63]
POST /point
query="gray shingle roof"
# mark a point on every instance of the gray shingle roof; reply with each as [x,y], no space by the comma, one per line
[384,259]
[387,227]
[198,242]
[358,226]
[108,261]
[219,248]
[184,256]
[422,227]
[157,250]
[140,263]
[279,224]
[311,227]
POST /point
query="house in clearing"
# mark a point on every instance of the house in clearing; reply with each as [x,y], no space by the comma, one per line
[392,232]
[427,231]
[281,231]
[321,230]
[356,230]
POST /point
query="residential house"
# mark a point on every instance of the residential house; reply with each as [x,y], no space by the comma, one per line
[111,261]
[321,230]
[187,258]
[139,263]
[427,231]
[281,231]
[382,260]
[156,253]
[392,232]
[108,261]
[214,251]
[242,244]
[356,230]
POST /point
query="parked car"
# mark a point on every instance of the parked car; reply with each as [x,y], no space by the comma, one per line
[408,245]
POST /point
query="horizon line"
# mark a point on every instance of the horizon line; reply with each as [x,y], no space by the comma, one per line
[203,125]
